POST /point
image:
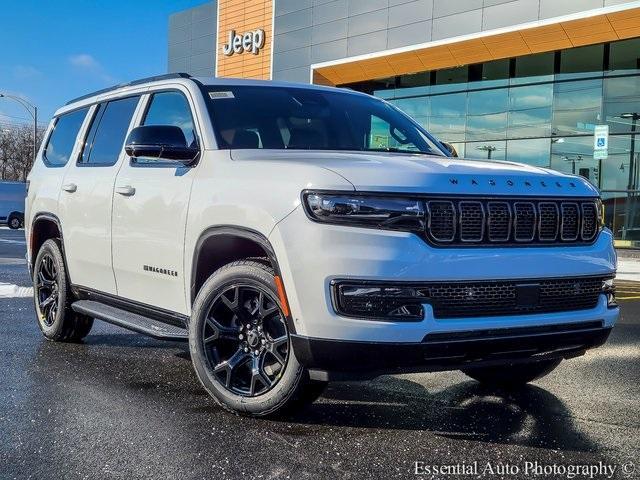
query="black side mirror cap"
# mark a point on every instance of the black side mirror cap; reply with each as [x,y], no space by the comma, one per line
[163,142]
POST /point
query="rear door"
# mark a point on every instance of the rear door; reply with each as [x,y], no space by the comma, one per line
[86,199]
[150,212]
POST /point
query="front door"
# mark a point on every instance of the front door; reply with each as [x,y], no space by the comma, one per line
[150,212]
[87,192]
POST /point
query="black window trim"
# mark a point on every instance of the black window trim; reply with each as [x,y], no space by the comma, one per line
[133,163]
[56,118]
[106,101]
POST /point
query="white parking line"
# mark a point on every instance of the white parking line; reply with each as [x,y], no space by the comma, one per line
[8,290]
[17,242]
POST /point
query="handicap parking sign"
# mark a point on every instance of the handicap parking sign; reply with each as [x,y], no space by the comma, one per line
[600,142]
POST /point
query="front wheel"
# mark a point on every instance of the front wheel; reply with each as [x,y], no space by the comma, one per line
[512,375]
[240,343]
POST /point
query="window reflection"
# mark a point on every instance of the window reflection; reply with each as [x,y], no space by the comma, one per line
[485,150]
[530,111]
[575,155]
[487,114]
[622,103]
[576,107]
[446,120]
[532,152]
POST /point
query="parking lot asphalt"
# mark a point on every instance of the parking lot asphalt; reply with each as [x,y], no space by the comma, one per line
[121,405]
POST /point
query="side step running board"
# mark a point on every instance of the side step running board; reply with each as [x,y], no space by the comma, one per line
[130,321]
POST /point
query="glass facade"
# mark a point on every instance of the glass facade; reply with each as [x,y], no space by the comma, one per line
[541,110]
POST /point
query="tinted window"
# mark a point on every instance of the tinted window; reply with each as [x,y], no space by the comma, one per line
[171,108]
[63,137]
[309,119]
[108,130]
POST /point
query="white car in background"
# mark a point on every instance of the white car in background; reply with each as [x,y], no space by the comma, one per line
[12,198]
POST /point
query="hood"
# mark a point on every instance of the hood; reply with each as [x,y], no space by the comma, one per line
[409,173]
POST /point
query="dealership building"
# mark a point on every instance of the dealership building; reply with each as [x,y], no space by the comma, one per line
[554,83]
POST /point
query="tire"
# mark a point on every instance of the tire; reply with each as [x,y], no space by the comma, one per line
[512,375]
[240,344]
[14,221]
[52,297]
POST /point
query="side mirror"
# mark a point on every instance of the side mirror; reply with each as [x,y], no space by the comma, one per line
[163,142]
[450,148]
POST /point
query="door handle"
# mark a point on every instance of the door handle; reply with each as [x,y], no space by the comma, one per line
[70,187]
[126,190]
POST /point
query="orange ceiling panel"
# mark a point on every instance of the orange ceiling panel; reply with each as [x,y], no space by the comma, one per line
[565,34]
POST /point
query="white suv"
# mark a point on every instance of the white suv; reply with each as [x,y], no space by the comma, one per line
[295,234]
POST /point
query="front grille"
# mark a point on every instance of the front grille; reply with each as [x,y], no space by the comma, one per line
[480,299]
[486,222]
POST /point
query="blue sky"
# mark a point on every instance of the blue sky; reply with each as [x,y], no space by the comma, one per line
[54,50]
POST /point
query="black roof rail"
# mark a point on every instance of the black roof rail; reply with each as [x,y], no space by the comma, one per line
[166,76]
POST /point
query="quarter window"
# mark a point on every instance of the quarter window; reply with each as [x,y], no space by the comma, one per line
[63,138]
[109,127]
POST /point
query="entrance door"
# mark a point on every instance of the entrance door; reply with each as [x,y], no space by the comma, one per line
[150,213]
[86,199]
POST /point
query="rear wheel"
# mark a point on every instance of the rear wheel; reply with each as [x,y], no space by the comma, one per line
[52,297]
[14,222]
[240,343]
[512,375]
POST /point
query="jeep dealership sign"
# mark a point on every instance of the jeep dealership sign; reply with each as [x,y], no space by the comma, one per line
[247,42]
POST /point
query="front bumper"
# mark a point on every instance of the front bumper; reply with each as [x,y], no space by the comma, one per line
[311,256]
[335,360]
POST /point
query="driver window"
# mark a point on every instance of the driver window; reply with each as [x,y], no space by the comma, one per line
[171,108]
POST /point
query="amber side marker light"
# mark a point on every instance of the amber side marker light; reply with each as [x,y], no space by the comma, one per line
[282,296]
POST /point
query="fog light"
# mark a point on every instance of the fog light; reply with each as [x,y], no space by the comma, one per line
[379,302]
[609,289]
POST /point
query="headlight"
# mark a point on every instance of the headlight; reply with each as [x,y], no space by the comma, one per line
[609,289]
[600,207]
[387,212]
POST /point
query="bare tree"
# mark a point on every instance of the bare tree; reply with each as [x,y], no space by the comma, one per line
[16,151]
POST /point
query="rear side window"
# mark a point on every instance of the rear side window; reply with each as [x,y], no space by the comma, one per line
[106,137]
[63,138]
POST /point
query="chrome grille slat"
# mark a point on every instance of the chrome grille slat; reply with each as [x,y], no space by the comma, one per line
[519,221]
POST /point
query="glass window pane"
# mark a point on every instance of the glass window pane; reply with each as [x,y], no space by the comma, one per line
[577,107]
[622,103]
[414,84]
[620,168]
[532,152]
[487,114]
[530,111]
[171,108]
[534,68]
[575,155]
[448,115]
[110,135]
[622,216]
[581,61]
[450,79]
[625,56]
[485,150]
[63,138]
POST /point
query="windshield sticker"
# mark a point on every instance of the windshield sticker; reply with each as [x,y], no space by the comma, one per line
[219,95]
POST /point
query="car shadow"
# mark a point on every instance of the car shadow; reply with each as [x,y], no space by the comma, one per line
[528,416]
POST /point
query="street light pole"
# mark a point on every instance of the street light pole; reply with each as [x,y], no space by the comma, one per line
[33,111]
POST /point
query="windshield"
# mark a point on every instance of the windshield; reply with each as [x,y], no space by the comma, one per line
[307,119]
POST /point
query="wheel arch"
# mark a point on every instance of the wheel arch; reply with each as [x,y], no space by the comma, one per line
[220,245]
[45,225]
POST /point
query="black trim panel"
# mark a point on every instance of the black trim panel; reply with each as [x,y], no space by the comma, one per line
[450,351]
[154,313]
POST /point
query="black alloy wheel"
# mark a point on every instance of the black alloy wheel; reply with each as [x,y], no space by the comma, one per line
[47,288]
[246,341]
